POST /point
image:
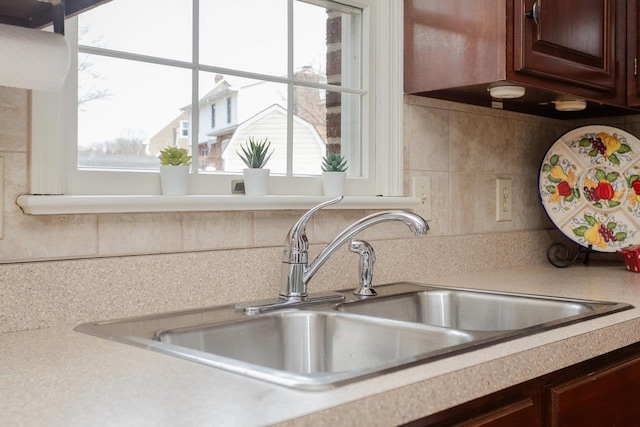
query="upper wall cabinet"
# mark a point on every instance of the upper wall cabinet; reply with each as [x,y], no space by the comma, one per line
[557,49]
[40,13]
[571,41]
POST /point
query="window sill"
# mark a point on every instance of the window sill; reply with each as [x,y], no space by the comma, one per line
[56,205]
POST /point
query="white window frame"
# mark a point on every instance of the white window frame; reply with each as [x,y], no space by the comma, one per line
[382,127]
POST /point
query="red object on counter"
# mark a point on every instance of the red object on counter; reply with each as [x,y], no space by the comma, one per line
[631,255]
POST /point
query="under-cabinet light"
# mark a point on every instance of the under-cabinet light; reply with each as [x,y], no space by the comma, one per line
[575,105]
[506,92]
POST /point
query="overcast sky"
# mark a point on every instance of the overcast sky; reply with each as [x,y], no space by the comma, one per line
[147,96]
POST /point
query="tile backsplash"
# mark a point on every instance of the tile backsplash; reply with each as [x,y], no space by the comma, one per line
[463,149]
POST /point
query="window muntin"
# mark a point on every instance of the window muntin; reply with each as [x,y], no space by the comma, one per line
[306,15]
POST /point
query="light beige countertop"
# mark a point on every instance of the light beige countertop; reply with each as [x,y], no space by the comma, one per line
[59,377]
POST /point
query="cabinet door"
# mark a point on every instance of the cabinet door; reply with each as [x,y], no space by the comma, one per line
[573,41]
[609,396]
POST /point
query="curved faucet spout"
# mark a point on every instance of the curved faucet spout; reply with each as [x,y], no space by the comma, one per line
[296,270]
[416,224]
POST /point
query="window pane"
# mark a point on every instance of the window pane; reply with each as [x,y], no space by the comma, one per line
[247,35]
[128,111]
[325,122]
[159,28]
[328,40]
[254,108]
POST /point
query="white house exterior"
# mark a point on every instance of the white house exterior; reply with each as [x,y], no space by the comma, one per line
[228,115]
[271,123]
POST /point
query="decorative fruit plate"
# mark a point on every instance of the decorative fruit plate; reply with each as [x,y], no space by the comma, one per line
[589,185]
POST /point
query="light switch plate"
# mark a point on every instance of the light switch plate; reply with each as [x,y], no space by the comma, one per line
[422,190]
[504,200]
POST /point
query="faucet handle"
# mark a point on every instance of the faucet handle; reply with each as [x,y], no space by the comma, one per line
[296,241]
[367,259]
[302,222]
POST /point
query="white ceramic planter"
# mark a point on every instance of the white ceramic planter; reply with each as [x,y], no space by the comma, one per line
[174,180]
[256,181]
[333,183]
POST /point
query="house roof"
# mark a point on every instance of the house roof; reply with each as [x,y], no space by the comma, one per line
[306,134]
[222,89]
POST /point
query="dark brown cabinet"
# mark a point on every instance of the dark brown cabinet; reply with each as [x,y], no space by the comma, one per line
[571,41]
[608,396]
[633,53]
[557,49]
[39,13]
[604,391]
[520,413]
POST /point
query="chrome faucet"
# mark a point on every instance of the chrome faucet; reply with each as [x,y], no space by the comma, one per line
[296,270]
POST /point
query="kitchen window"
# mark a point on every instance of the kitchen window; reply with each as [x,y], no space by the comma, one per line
[345,96]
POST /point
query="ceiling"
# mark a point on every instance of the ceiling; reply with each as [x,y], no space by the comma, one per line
[40,13]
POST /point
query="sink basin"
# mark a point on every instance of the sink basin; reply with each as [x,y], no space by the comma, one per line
[321,346]
[310,349]
[474,310]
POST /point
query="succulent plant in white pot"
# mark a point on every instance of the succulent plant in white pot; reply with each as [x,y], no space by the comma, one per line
[174,171]
[255,154]
[334,174]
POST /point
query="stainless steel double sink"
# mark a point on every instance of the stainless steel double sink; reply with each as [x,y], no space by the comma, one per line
[326,345]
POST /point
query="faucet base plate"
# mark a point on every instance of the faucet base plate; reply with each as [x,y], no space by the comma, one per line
[265,305]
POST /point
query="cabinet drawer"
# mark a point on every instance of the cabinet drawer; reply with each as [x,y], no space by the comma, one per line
[521,413]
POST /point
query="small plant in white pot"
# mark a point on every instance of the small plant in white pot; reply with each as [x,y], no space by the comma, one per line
[334,174]
[174,171]
[255,154]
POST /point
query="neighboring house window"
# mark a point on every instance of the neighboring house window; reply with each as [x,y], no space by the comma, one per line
[307,85]
[213,116]
[184,128]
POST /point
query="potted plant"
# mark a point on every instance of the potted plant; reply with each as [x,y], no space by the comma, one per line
[174,170]
[255,154]
[334,174]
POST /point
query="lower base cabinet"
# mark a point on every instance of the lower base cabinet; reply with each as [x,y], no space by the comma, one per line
[601,392]
[608,396]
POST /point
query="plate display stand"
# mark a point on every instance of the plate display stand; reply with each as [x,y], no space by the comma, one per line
[589,187]
[559,254]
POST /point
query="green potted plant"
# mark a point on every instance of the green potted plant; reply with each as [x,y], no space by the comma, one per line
[334,174]
[255,154]
[174,170]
